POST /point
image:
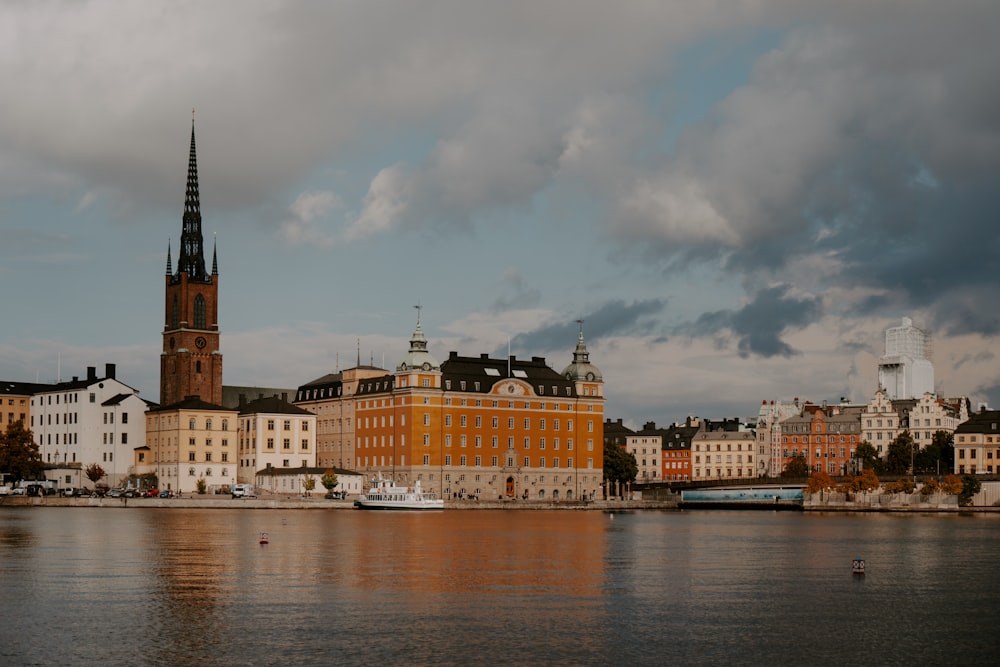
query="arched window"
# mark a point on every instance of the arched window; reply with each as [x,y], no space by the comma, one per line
[199,312]
[175,314]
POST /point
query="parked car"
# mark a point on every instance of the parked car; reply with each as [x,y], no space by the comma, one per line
[166,493]
[152,493]
[115,493]
[19,491]
[82,493]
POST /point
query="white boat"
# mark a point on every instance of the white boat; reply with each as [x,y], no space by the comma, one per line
[385,495]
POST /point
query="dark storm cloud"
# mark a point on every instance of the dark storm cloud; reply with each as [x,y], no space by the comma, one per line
[760,324]
[612,318]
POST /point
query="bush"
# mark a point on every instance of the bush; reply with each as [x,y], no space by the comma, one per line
[902,485]
[930,487]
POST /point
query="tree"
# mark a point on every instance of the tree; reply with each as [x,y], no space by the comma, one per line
[970,487]
[329,481]
[930,487]
[868,456]
[796,467]
[309,483]
[201,485]
[866,481]
[901,485]
[19,455]
[619,464]
[902,452]
[819,481]
[937,456]
[951,484]
[94,472]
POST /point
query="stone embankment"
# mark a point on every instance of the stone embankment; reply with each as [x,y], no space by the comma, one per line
[318,502]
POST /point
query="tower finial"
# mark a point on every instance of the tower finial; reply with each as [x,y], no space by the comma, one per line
[215,260]
[169,268]
[192,255]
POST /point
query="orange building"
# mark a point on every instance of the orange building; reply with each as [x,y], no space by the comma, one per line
[826,437]
[478,426]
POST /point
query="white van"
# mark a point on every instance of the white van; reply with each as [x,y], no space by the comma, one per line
[242,491]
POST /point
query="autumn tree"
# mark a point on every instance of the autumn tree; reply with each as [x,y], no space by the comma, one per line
[796,467]
[930,487]
[309,483]
[94,472]
[866,481]
[19,455]
[901,485]
[819,481]
[951,484]
[902,452]
[329,481]
[619,465]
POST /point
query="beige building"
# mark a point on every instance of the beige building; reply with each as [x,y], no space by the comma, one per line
[190,441]
[977,444]
[274,434]
[646,446]
[332,399]
[883,419]
[724,455]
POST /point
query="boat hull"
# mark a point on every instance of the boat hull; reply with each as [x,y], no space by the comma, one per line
[398,506]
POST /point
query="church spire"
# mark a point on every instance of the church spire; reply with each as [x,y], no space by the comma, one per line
[169,269]
[215,260]
[192,256]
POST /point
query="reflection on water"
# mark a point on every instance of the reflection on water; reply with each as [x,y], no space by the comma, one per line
[115,586]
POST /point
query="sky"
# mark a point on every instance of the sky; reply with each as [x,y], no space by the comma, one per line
[736,198]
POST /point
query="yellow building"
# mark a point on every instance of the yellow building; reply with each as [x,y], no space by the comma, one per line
[471,426]
[190,441]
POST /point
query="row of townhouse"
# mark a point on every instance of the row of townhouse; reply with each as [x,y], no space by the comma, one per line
[826,436]
[695,450]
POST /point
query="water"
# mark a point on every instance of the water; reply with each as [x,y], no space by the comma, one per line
[82,586]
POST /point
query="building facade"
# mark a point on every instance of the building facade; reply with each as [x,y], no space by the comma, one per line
[905,369]
[977,444]
[723,453]
[824,436]
[94,420]
[770,459]
[193,444]
[474,426]
[274,434]
[883,418]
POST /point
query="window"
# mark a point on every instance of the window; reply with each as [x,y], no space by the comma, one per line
[286,443]
[270,424]
[287,425]
[461,460]
[191,456]
[270,443]
[447,421]
[427,459]
[427,419]
[124,417]
[199,312]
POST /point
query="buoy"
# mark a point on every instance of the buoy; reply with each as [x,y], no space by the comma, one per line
[263,538]
[858,566]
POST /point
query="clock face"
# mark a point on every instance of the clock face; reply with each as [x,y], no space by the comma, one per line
[200,342]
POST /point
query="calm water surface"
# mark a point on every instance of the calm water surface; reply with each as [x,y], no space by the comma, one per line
[81,586]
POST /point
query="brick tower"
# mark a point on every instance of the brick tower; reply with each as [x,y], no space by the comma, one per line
[191,362]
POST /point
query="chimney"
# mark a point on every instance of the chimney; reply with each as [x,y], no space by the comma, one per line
[284,397]
[109,371]
[243,400]
[91,373]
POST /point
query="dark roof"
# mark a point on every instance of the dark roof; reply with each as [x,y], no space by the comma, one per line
[116,399]
[24,388]
[191,403]
[379,385]
[487,372]
[328,386]
[271,405]
[616,428]
[231,394]
[984,421]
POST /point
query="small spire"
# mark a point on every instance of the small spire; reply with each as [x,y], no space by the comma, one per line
[215,261]
[169,269]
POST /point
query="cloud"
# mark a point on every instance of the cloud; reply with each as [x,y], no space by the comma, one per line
[517,295]
[612,317]
[760,324]
[306,209]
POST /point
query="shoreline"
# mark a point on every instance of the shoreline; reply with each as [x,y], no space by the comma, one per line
[609,506]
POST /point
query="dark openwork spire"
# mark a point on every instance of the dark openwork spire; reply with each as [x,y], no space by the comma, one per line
[215,259]
[169,269]
[192,257]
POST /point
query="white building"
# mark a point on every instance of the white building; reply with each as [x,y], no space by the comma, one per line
[770,461]
[273,433]
[94,420]
[904,370]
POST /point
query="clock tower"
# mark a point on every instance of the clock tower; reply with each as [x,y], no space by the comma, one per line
[191,362]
